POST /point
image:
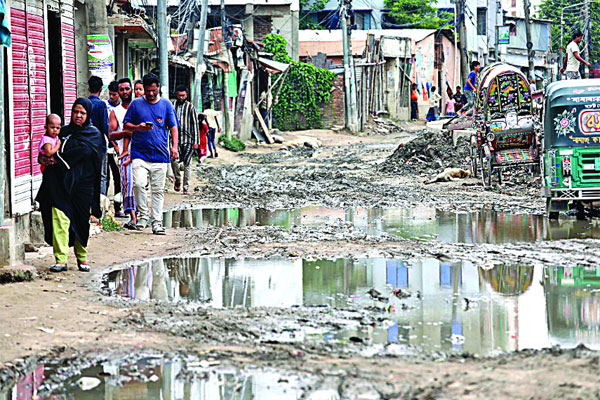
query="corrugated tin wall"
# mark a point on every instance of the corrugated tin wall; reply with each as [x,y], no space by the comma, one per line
[29,98]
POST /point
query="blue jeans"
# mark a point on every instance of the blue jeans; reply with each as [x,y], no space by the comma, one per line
[470,95]
[211,140]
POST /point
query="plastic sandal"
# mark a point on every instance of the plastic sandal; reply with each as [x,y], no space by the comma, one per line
[83,266]
[58,268]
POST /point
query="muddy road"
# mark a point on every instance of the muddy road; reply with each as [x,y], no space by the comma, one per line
[320,272]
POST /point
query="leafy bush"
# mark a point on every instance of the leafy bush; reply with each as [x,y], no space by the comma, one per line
[232,144]
[305,89]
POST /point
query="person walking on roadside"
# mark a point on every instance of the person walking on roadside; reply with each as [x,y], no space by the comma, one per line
[150,118]
[138,88]
[122,149]
[112,152]
[460,98]
[113,96]
[572,59]
[99,118]
[71,187]
[434,109]
[414,102]
[471,87]
[188,138]
[213,128]
[202,146]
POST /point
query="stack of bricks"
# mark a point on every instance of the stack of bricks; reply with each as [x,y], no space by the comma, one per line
[333,113]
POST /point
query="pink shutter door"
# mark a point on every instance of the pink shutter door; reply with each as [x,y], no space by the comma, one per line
[22,118]
[37,86]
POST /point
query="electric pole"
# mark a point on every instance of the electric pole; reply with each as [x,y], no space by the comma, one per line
[226,118]
[530,50]
[587,29]
[163,52]
[349,75]
[197,97]
[462,37]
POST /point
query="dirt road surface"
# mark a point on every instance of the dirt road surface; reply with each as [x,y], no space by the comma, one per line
[70,317]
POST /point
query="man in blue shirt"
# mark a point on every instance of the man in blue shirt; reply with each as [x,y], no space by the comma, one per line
[99,120]
[151,118]
[471,86]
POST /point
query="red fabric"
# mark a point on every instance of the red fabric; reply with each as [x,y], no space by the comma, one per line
[203,142]
[414,96]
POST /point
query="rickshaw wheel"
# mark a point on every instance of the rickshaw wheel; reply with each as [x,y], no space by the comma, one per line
[552,215]
[474,162]
[487,172]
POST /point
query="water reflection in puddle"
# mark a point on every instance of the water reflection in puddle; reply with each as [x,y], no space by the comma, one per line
[155,378]
[417,223]
[453,306]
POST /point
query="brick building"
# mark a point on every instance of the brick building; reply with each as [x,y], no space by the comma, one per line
[333,114]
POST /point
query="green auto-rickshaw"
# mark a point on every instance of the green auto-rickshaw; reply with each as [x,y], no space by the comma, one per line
[571,147]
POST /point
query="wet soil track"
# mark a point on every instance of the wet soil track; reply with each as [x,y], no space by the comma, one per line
[337,176]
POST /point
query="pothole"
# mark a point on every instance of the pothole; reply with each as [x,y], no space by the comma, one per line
[423,305]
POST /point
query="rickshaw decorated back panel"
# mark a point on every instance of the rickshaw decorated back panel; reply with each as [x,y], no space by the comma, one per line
[509,92]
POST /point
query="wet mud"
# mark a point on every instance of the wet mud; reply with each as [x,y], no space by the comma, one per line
[341,177]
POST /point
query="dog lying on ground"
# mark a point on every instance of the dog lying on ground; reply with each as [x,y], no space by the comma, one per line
[450,174]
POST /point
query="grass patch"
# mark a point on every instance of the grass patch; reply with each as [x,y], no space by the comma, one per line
[110,225]
[232,144]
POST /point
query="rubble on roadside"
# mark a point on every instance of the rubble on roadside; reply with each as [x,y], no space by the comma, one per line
[428,153]
[382,126]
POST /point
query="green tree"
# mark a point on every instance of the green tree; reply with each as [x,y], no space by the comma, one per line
[307,7]
[417,14]
[305,89]
[551,9]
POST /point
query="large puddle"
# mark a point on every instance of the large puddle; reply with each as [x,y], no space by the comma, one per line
[155,378]
[450,307]
[417,223]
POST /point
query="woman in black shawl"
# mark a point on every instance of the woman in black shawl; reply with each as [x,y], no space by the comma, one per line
[71,187]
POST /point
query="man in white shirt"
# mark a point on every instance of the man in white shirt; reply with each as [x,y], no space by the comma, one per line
[572,59]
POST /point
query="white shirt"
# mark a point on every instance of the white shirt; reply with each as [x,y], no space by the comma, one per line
[434,100]
[120,112]
[572,62]
[211,117]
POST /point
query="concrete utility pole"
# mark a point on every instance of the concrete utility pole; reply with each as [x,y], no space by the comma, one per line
[462,37]
[97,19]
[96,16]
[530,51]
[197,97]
[587,25]
[3,137]
[349,74]
[226,117]
[163,51]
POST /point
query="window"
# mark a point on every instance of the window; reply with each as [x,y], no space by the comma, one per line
[362,19]
[513,3]
[481,21]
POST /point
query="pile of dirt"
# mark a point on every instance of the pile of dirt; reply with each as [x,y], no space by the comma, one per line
[429,152]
